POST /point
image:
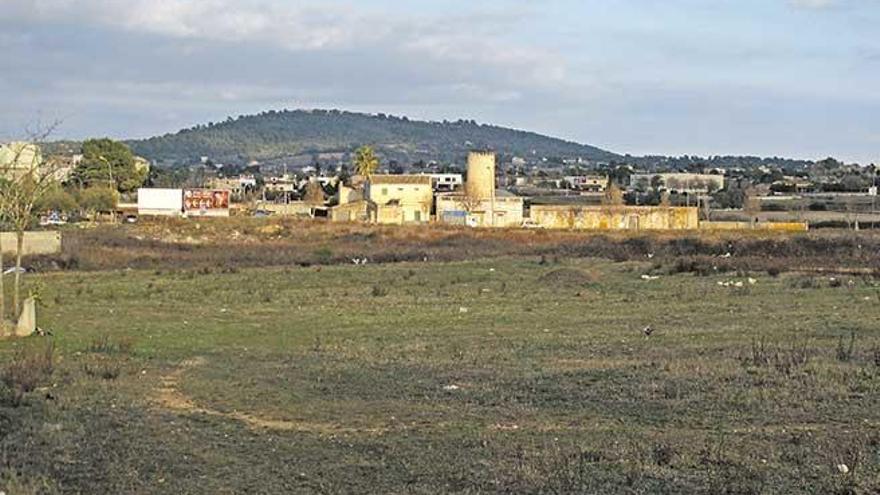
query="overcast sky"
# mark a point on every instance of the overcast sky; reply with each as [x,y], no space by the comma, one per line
[798,78]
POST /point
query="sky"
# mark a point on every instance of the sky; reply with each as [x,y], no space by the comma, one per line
[793,78]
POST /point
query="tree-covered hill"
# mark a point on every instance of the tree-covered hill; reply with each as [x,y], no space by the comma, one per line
[277,135]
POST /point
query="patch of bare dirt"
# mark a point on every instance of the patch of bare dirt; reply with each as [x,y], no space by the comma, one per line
[169,396]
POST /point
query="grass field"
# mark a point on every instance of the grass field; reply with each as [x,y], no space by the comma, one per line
[506,375]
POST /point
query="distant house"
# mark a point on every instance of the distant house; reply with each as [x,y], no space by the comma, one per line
[790,184]
[20,158]
[400,199]
[587,183]
[446,182]
[679,183]
[239,186]
[285,187]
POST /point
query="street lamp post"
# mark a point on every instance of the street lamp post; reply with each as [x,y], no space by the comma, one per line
[109,170]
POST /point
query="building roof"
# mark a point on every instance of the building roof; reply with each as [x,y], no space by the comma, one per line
[401,179]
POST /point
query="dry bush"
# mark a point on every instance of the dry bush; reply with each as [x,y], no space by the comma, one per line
[27,370]
[105,344]
[846,348]
[806,282]
[783,360]
[14,483]
[237,242]
[105,369]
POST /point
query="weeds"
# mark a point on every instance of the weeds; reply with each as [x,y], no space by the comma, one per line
[663,454]
[166,246]
[105,344]
[27,371]
[785,361]
[806,282]
[104,369]
[846,350]
[14,483]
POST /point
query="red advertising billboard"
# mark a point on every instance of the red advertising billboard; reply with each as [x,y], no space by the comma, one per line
[207,202]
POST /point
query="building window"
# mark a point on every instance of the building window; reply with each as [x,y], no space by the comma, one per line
[384,191]
[417,216]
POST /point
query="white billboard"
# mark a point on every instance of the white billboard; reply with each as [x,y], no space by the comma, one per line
[161,202]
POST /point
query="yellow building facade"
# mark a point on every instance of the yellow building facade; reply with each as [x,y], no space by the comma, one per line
[400,199]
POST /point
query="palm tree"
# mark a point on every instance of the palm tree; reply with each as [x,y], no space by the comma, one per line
[365,161]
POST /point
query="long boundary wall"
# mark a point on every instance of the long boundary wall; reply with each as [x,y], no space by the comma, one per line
[615,217]
[42,242]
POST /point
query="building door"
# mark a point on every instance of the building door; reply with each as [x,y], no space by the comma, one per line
[417,216]
[633,222]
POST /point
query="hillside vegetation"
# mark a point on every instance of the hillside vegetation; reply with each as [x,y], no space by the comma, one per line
[278,135]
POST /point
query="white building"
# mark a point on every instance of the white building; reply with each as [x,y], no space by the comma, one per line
[679,183]
[588,183]
[446,182]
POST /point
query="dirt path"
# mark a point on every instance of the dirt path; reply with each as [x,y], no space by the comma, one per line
[169,396]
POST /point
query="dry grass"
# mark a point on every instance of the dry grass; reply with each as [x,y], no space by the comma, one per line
[247,359]
[29,368]
[231,244]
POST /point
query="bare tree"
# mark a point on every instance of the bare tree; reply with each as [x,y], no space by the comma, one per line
[314,194]
[470,203]
[613,195]
[851,215]
[26,178]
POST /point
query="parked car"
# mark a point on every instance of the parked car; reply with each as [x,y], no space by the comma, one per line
[53,218]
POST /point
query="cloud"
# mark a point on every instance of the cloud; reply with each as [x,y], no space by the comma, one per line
[477,60]
[814,4]
[306,26]
[590,70]
[294,27]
